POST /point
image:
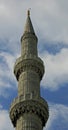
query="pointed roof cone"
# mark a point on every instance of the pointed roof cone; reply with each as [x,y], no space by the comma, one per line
[28,26]
[28,30]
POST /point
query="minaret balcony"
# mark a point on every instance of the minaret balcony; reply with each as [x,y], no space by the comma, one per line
[38,107]
[34,64]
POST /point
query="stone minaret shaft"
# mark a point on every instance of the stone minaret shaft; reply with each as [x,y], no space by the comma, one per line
[29,111]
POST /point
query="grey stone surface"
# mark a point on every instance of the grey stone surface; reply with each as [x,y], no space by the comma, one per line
[29,111]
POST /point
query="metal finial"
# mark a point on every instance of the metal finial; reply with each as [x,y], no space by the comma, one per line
[28,12]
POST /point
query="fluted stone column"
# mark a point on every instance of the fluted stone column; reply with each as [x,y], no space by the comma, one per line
[29,111]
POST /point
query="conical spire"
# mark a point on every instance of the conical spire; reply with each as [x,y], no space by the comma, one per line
[29,39]
[28,26]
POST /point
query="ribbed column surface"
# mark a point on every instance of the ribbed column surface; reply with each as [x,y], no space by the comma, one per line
[29,122]
[29,83]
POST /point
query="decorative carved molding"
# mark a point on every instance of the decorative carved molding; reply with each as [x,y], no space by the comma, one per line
[29,106]
[29,64]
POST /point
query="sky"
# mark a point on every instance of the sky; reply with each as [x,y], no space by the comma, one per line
[50,22]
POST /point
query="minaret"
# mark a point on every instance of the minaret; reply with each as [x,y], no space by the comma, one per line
[29,111]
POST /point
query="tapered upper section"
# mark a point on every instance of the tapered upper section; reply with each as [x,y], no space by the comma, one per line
[29,40]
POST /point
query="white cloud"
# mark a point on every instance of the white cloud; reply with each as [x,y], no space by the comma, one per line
[6,66]
[5,123]
[50,18]
[57,113]
[56,69]
[51,24]
[9,59]
[7,77]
